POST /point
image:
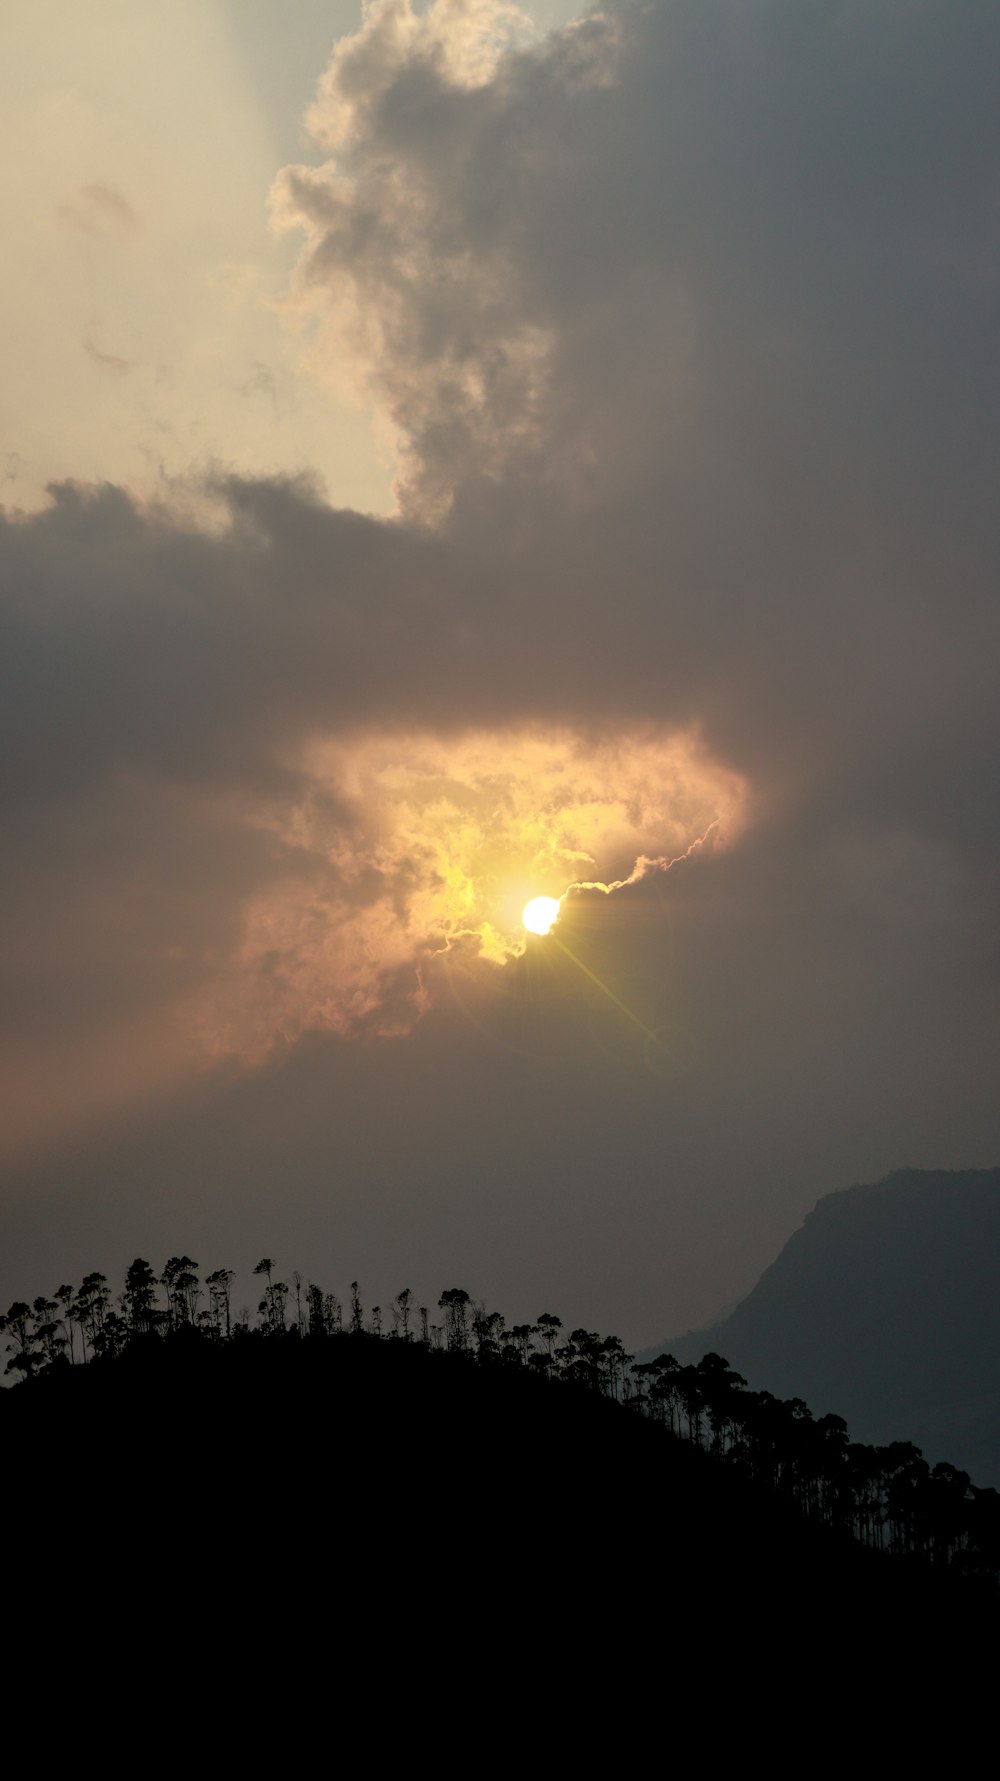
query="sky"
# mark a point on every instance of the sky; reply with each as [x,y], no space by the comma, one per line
[453,455]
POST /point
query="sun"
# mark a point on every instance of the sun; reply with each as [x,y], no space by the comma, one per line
[540,914]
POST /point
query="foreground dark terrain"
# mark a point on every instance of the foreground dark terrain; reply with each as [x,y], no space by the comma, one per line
[457,1525]
[346,1472]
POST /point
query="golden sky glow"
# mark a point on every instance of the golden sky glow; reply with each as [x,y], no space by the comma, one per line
[405,847]
[142,278]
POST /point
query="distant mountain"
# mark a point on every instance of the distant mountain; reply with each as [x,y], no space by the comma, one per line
[885,1309]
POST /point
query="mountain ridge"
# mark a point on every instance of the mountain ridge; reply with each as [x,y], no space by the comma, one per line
[882,1307]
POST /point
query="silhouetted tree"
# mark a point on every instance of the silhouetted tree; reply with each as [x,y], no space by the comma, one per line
[47,1333]
[114,1335]
[357,1311]
[581,1359]
[689,1387]
[614,1364]
[947,1497]
[92,1302]
[219,1286]
[904,1471]
[488,1333]
[864,1486]
[272,1306]
[64,1298]
[520,1335]
[139,1299]
[78,1313]
[401,1313]
[719,1387]
[657,1383]
[454,1303]
[316,1311]
[180,1278]
[17,1325]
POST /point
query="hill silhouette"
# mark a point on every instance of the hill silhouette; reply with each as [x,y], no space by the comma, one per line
[515,1525]
[884,1309]
[367,1441]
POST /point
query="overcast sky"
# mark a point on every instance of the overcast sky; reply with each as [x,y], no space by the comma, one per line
[450,457]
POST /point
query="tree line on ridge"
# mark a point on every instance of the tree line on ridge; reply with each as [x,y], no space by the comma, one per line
[888,1497]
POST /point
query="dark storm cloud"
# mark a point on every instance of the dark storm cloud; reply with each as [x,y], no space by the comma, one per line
[130,639]
[698,306]
[688,320]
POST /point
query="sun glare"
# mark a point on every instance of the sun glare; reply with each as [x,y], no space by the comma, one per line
[540,914]
[410,861]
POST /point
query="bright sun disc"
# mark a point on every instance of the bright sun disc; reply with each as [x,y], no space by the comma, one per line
[540,914]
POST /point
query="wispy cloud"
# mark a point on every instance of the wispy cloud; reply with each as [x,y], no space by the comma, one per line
[101,210]
[106,361]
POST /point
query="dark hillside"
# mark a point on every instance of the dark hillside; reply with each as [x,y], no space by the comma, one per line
[380,1470]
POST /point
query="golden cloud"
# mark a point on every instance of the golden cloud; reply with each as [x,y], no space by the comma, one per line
[406,848]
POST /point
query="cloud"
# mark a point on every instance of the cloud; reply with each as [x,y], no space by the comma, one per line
[673,247]
[685,321]
[402,849]
[685,318]
[250,777]
[101,210]
[425,289]
[107,361]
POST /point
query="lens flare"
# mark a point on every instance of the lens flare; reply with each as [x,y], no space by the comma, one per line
[540,914]
[402,860]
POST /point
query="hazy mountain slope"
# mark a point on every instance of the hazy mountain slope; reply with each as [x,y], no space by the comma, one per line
[884,1307]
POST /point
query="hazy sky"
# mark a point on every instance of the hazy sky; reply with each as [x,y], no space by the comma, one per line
[447,460]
